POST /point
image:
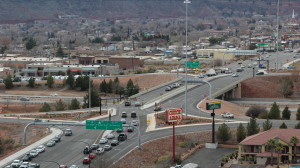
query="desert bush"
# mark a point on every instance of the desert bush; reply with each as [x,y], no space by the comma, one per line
[183,144]
[255,111]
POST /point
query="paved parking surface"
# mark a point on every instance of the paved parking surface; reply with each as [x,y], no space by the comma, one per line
[208,158]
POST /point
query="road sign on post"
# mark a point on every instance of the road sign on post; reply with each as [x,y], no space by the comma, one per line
[213,105]
[192,64]
[103,125]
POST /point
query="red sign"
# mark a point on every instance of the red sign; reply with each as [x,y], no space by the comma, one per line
[173,115]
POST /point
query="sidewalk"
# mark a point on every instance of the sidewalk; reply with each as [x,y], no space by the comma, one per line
[54,132]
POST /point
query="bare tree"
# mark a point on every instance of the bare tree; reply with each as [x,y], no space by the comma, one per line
[286,86]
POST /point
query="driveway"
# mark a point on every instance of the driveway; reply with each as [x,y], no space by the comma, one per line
[208,158]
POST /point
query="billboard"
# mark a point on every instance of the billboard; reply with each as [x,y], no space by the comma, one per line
[173,115]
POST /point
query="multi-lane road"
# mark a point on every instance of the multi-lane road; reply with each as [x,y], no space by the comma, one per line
[69,151]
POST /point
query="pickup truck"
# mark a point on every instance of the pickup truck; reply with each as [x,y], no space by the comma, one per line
[227,115]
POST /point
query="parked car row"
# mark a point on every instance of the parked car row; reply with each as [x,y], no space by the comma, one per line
[172,86]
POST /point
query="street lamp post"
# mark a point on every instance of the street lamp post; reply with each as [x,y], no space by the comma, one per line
[89,151]
[185,99]
[209,87]
[90,92]
[276,66]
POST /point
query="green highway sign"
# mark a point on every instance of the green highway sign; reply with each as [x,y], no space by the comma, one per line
[192,64]
[262,44]
[103,125]
[213,105]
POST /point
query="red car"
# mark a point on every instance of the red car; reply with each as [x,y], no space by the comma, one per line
[92,155]
[130,129]
[86,160]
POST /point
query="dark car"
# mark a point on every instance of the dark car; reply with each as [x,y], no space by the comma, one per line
[122,137]
[95,146]
[133,115]
[114,142]
[56,138]
[87,150]
[127,103]
[34,165]
[27,158]
[38,120]
[124,114]
[239,70]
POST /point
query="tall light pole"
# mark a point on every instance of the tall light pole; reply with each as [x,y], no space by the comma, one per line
[186,36]
[277,36]
[90,92]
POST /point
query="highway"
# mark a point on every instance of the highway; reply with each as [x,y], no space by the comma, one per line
[70,152]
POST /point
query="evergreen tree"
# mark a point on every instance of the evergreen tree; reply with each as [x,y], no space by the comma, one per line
[274,112]
[30,43]
[50,81]
[60,53]
[252,127]
[85,83]
[283,126]
[298,114]
[60,105]
[31,82]
[116,85]
[286,113]
[110,86]
[267,125]
[78,82]
[8,82]
[297,126]
[240,133]
[46,108]
[70,81]
[95,101]
[75,104]
[103,87]
[223,133]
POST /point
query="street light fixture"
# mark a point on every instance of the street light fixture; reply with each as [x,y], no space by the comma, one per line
[186,7]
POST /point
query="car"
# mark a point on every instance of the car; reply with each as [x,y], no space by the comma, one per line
[110,136]
[34,165]
[27,158]
[40,149]
[260,73]
[95,146]
[87,150]
[240,62]
[34,153]
[50,143]
[24,99]
[177,166]
[175,85]
[130,129]
[8,166]
[134,122]
[16,163]
[235,75]
[168,88]
[258,59]
[24,165]
[119,130]
[68,132]
[295,56]
[103,141]
[201,76]
[114,142]
[227,115]
[123,120]
[92,155]
[127,103]
[63,166]
[53,94]
[74,166]
[107,147]
[133,114]
[239,70]
[99,151]
[124,114]
[291,67]
[137,104]
[56,138]
[38,120]
[242,66]
[122,137]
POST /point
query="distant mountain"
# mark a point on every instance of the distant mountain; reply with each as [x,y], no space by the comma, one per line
[12,11]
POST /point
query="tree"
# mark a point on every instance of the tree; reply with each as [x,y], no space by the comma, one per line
[110,86]
[267,125]
[78,82]
[271,144]
[31,82]
[98,40]
[294,140]
[240,133]
[252,127]
[286,113]
[283,126]
[116,85]
[30,43]
[278,148]
[46,108]
[103,86]
[95,101]
[70,81]
[297,126]
[286,86]
[298,114]
[274,112]
[255,111]
[8,82]
[60,105]
[75,104]
[223,133]
[50,81]
[60,53]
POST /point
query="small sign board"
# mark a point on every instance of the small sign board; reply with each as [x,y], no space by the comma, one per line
[213,105]
[173,115]
[192,64]
[103,125]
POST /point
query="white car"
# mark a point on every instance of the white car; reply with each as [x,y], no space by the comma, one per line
[227,115]
[99,151]
[110,136]
[74,166]
[34,153]
[16,163]
[134,122]
[24,165]
[40,149]
[53,94]
[103,141]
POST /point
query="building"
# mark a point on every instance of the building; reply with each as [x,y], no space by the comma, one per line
[5,71]
[255,146]
[224,54]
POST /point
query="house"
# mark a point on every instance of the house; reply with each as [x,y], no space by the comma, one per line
[255,147]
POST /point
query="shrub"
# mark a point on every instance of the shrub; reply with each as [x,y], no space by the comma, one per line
[263,116]
[165,158]
[255,111]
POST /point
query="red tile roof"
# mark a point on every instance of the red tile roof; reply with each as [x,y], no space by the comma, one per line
[262,137]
